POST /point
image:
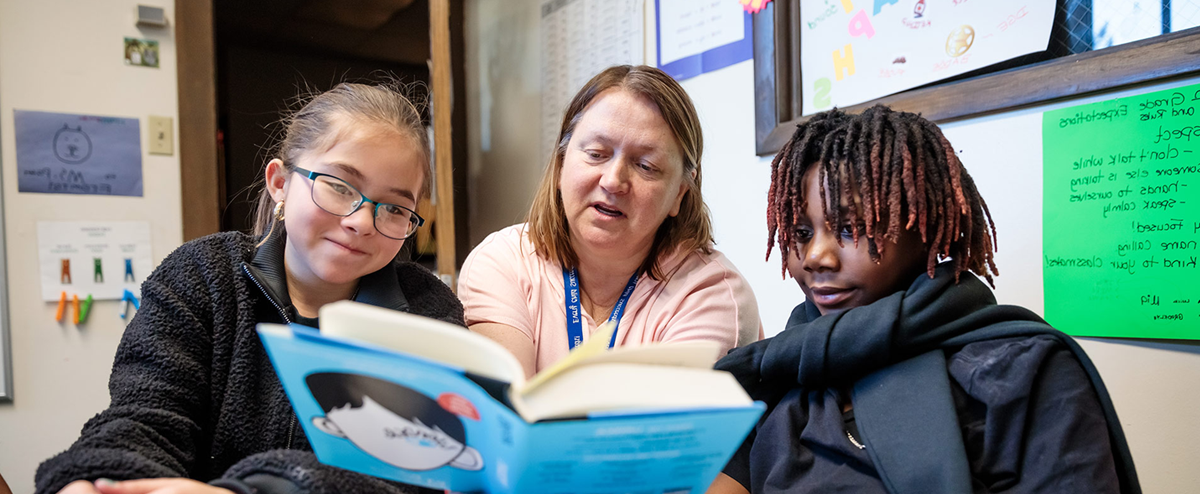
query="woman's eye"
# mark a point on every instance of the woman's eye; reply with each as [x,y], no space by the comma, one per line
[645,166]
[595,155]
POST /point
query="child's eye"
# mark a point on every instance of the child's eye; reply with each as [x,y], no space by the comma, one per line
[803,234]
[847,230]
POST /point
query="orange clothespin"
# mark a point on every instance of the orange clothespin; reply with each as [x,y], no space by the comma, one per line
[62,307]
[75,306]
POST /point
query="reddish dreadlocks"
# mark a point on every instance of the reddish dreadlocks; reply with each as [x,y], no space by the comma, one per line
[905,175]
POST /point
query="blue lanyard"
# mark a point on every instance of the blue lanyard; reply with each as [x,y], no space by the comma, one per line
[575,319]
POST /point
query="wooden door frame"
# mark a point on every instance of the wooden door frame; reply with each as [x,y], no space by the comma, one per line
[200,174]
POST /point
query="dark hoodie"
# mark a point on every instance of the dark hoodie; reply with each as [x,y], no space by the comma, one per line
[951,393]
[193,392]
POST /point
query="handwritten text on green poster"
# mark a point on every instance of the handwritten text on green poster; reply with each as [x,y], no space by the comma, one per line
[1121,216]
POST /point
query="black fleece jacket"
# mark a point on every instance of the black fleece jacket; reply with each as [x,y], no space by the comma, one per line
[193,393]
[892,354]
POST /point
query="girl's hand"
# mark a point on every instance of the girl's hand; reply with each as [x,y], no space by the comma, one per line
[79,487]
[155,486]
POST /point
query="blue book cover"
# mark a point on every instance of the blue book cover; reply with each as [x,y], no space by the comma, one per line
[447,425]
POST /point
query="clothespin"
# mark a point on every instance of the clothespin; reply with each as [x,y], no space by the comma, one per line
[126,299]
[75,306]
[65,276]
[129,270]
[98,271]
[82,314]
[62,307]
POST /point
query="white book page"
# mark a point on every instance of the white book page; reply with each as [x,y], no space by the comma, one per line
[423,337]
[621,386]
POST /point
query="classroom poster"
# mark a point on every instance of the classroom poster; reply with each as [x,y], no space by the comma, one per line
[853,51]
[63,153]
[1122,216]
[97,258]
[695,37]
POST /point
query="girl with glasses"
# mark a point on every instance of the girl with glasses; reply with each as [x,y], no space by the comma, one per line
[196,406]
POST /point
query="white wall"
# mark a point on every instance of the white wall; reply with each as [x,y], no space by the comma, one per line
[1155,384]
[66,56]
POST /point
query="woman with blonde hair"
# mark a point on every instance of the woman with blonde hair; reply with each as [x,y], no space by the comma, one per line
[618,230]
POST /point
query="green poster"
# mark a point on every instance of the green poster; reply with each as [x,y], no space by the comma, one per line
[1121,216]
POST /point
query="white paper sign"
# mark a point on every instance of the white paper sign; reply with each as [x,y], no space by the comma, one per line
[97,258]
[853,51]
[691,27]
[63,153]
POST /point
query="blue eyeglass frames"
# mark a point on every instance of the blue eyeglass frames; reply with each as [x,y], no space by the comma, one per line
[337,197]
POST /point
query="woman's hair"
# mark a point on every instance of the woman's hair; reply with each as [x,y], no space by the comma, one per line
[312,127]
[906,175]
[690,230]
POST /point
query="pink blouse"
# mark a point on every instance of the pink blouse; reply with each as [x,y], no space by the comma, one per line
[504,281]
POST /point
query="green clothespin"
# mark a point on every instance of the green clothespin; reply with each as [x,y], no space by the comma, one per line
[84,309]
[97,271]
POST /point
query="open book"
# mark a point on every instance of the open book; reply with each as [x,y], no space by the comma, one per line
[425,402]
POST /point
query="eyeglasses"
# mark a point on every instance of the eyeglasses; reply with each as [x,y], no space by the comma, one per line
[339,198]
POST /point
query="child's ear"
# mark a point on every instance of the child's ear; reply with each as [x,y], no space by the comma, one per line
[328,426]
[277,179]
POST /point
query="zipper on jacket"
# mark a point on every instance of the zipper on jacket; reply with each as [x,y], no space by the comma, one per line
[291,430]
[282,313]
[267,294]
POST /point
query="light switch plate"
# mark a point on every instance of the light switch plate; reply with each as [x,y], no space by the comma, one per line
[162,136]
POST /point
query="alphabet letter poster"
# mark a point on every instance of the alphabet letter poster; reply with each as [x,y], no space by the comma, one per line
[853,51]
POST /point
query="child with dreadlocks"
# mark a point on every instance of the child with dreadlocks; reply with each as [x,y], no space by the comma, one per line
[900,373]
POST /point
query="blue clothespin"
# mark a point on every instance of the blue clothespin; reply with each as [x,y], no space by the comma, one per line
[129,270]
[129,298]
